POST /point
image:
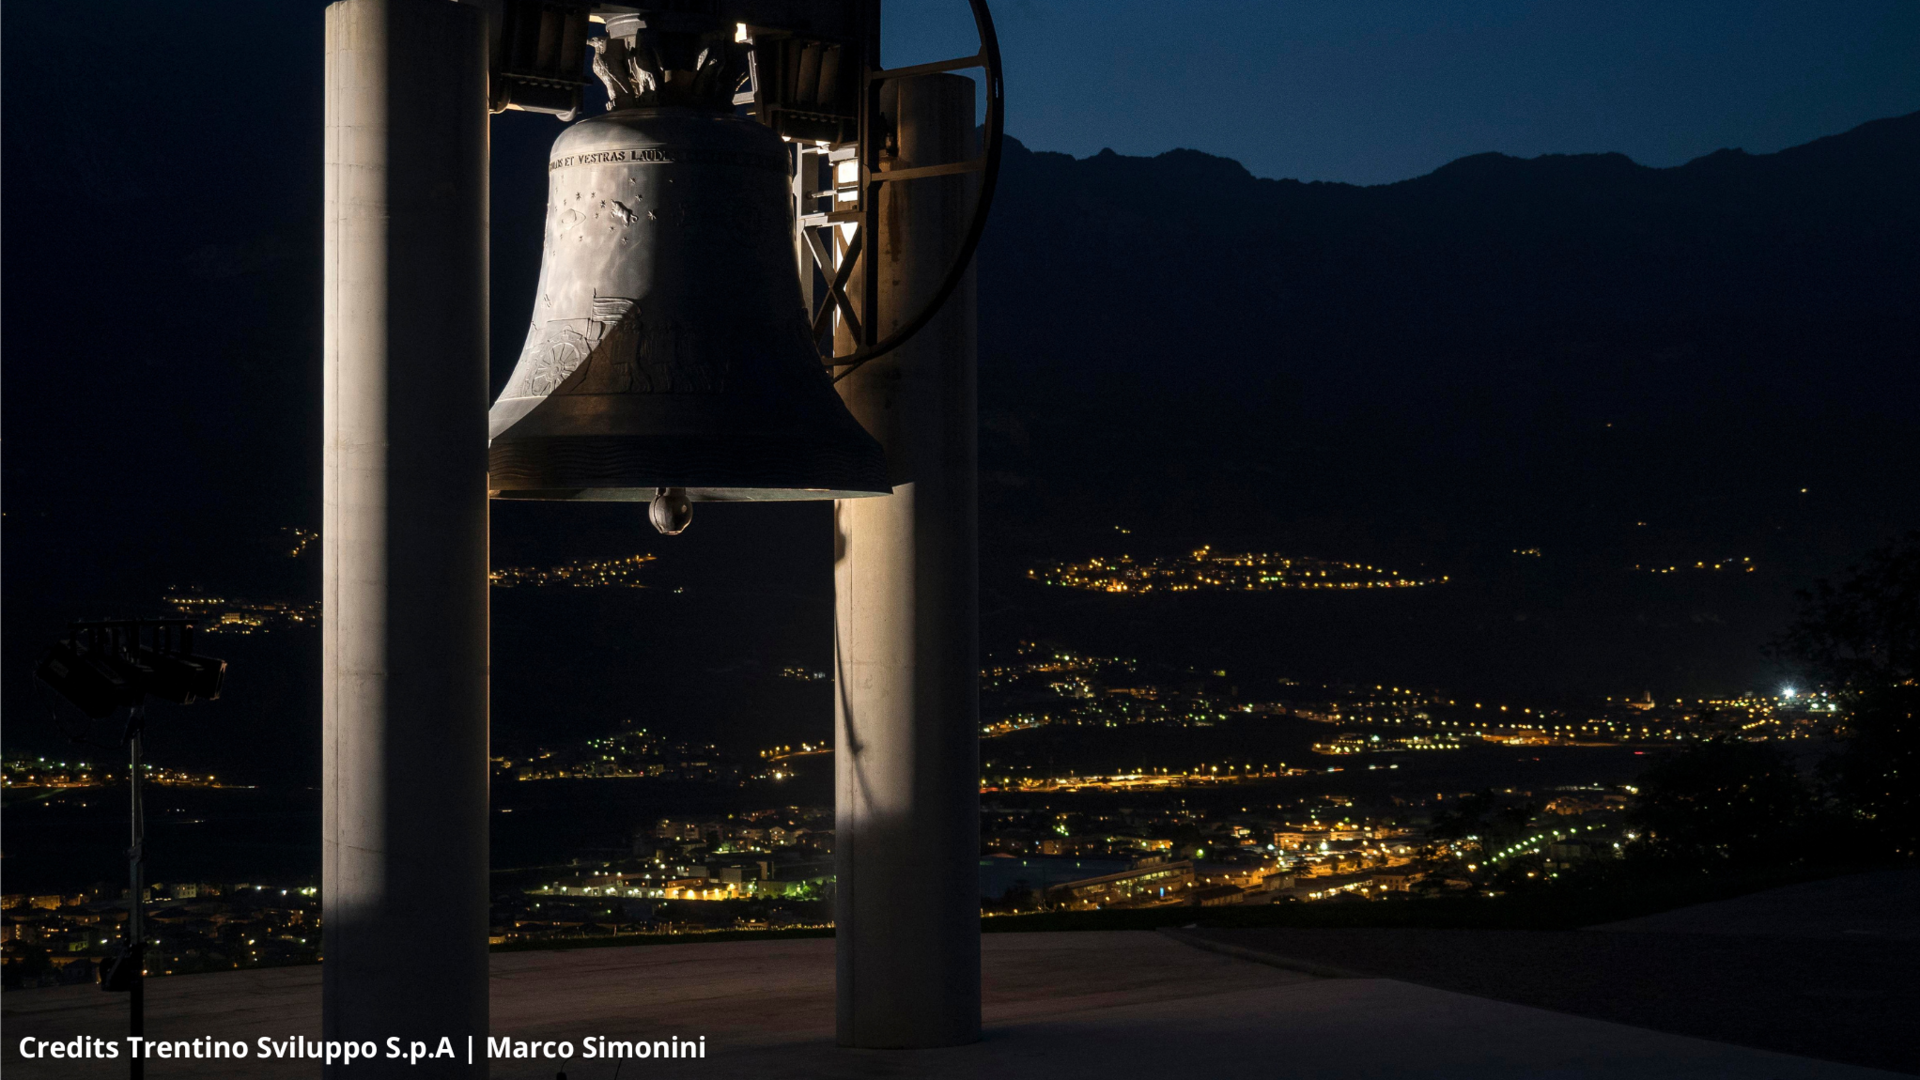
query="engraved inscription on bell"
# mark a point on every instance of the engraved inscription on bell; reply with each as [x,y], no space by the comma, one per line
[629,354]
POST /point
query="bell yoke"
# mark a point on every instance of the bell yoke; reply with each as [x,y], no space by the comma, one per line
[669,355]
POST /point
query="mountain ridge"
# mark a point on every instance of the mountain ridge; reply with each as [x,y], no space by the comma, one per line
[1414,327]
[1895,129]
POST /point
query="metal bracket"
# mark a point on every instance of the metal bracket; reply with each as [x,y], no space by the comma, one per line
[853,185]
[539,56]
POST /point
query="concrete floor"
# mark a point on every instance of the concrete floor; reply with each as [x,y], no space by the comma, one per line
[1062,1006]
[1845,1001]
[1883,905]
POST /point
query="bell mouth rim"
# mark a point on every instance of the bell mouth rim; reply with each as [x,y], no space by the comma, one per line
[694,494]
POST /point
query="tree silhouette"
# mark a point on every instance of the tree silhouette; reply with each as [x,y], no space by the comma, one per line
[1859,639]
[1484,821]
[1862,633]
[1719,803]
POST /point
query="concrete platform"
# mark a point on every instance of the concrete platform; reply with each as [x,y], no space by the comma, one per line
[1883,905]
[1823,969]
[1060,1006]
[1840,1001]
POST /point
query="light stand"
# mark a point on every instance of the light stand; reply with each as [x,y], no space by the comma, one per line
[100,668]
[136,886]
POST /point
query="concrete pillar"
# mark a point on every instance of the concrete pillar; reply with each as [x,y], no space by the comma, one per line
[404,697]
[906,635]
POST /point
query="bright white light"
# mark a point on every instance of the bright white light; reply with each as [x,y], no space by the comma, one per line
[1787,693]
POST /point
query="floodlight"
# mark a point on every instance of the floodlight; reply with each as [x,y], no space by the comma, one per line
[86,680]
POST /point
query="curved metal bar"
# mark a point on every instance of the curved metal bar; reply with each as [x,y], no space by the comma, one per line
[990,174]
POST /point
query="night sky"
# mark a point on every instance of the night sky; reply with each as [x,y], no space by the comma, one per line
[1377,92]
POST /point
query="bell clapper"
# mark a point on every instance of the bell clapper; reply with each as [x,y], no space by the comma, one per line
[671,511]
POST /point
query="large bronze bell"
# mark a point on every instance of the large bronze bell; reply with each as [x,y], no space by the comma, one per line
[669,355]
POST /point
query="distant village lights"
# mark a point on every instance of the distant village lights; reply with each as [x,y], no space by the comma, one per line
[1205,570]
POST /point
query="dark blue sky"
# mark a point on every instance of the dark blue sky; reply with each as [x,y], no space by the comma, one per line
[1371,92]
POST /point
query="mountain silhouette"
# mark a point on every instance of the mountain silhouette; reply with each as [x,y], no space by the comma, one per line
[1504,350]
